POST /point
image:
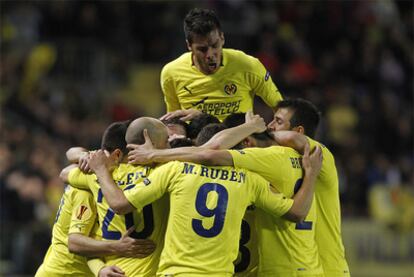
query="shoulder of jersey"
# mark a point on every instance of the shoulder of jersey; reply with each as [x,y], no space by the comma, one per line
[239,59]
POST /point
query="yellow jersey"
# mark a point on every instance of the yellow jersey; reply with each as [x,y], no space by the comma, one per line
[207,205]
[150,221]
[328,229]
[285,248]
[76,214]
[229,90]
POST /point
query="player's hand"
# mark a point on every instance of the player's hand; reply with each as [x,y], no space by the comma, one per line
[101,160]
[140,153]
[184,115]
[175,136]
[312,162]
[83,163]
[111,271]
[256,121]
[135,248]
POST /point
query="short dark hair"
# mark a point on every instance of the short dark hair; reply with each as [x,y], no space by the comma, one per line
[114,137]
[304,114]
[200,22]
[236,119]
[208,132]
[180,142]
[198,123]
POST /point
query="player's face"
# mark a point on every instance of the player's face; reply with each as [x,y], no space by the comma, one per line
[207,51]
[281,120]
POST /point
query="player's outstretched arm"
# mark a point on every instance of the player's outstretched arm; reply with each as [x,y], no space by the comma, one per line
[311,164]
[228,138]
[146,154]
[116,199]
[75,153]
[291,139]
[183,115]
[126,246]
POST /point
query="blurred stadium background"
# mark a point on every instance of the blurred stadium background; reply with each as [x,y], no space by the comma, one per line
[68,68]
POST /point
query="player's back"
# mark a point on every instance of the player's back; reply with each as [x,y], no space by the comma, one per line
[207,205]
[150,223]
[76,213]
[328,229]
[285,248]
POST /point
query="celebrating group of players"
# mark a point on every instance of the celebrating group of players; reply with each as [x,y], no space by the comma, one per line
[267,207]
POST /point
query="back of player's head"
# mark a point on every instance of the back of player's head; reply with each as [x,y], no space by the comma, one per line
[157,132]
[305,114]
[200,22]
[114,136]
[208,132]
[237,119]
[198,123]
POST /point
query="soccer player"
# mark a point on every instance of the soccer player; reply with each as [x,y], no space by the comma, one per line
[207,207]
[212,79]
[75,220]
[302,116]
[285,248]
[149,223]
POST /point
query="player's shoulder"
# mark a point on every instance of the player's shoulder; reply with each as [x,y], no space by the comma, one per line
[239,58]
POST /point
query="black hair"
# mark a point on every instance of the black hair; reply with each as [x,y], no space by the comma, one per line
[237,119]
[200,22]
[198,123]
[208,132]
[304,114]
[114,137]
[180,142]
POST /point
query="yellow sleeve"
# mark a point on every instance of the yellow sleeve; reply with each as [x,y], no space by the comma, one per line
[153,187]
[95,265]
[78,179]
[168,89]
[259,159]
[273,203]
[83,213]
[262,84]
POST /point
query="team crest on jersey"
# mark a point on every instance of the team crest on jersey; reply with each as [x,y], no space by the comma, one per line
[230,89]
[83,213]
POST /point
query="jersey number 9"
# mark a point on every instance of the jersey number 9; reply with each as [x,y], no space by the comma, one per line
[219,212]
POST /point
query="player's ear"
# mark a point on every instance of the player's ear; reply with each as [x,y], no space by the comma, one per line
[188,45]
[117,155]
[249,142]
[300,129]
[222,38]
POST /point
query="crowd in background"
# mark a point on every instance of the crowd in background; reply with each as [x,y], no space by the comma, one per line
[63,62]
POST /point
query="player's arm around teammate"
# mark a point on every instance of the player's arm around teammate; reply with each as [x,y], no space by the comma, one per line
[302,199]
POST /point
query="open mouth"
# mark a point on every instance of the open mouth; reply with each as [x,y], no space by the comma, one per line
[212,66]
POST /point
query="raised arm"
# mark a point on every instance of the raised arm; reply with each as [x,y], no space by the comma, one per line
[303,198]
[228,138]
[115,197]
[146,154]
